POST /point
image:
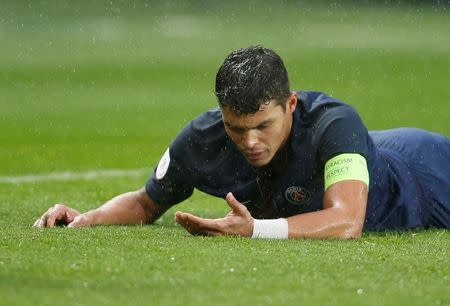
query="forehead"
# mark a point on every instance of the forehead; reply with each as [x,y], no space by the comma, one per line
[270,111]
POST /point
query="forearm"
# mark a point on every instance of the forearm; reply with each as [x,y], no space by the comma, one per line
[342,217]
[328,223]
[128,208]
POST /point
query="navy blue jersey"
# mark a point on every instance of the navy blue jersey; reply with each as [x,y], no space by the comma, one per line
[202,156]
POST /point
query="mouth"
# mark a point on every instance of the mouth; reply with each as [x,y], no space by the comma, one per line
[255,156]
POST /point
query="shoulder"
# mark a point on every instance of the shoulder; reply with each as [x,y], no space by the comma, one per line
[332,126]
[203,135]
[207,127]
[319,110]
[207,123]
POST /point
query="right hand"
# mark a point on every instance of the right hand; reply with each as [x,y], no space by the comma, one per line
[62,215]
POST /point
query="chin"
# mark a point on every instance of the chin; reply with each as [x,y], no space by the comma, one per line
[258,163]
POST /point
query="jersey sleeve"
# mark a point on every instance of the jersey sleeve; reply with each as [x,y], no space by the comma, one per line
[340,130]
[172,180]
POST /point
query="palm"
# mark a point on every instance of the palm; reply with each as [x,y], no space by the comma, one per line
[237,222]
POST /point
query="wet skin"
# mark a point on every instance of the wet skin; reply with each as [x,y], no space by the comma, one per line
[258,136]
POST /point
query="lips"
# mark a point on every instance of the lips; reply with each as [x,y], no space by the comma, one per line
[255,156]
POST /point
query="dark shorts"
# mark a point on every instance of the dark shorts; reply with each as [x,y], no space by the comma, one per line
[427,157]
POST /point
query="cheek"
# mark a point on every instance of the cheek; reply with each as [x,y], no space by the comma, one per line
[277,135]
[279,129]
[271,137]
[235,138]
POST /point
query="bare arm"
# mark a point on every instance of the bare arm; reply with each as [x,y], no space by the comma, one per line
[342,217]
[134,207]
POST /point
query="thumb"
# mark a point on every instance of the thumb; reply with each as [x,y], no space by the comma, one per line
[235,205]
[70,215]
[79,221]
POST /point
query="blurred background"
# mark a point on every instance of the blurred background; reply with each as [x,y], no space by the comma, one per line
[108,84]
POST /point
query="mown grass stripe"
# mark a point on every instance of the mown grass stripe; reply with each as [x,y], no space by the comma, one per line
[72,176]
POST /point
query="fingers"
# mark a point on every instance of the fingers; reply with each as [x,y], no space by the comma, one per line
[56,214]
[183,220]
[42,221]
[36,224]
[198,226]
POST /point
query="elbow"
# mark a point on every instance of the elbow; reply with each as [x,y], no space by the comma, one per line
[149,210]
[347,229]
[351,226]
[352,235]
[351,232]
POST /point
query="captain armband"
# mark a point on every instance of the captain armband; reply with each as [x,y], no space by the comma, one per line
[347,166]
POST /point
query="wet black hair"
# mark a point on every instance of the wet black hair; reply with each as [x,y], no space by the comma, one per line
[250,77]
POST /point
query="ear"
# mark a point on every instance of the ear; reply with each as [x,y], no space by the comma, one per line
[291,102]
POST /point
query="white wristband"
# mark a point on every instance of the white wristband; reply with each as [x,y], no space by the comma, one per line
[270,228]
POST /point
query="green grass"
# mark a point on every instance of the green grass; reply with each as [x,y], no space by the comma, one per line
[162,264]
[100,86]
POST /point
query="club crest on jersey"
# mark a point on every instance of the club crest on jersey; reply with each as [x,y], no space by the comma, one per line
[163,165]
[297,195]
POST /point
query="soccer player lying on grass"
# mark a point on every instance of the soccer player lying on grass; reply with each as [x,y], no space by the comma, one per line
[289,164]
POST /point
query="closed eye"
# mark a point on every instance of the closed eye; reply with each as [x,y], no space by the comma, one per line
[241,130]
[262,126]
[236,130]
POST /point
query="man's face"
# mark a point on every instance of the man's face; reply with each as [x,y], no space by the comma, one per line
[259,136]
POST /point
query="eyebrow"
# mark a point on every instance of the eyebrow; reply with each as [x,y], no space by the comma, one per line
[265,122]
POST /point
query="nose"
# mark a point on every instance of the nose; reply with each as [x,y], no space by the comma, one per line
[250,139]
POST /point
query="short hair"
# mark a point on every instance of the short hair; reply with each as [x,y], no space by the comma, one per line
[250,77]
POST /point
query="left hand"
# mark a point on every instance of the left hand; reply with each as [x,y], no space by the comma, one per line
[237,222]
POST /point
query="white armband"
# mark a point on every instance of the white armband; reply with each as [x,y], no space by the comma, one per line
[270,228]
